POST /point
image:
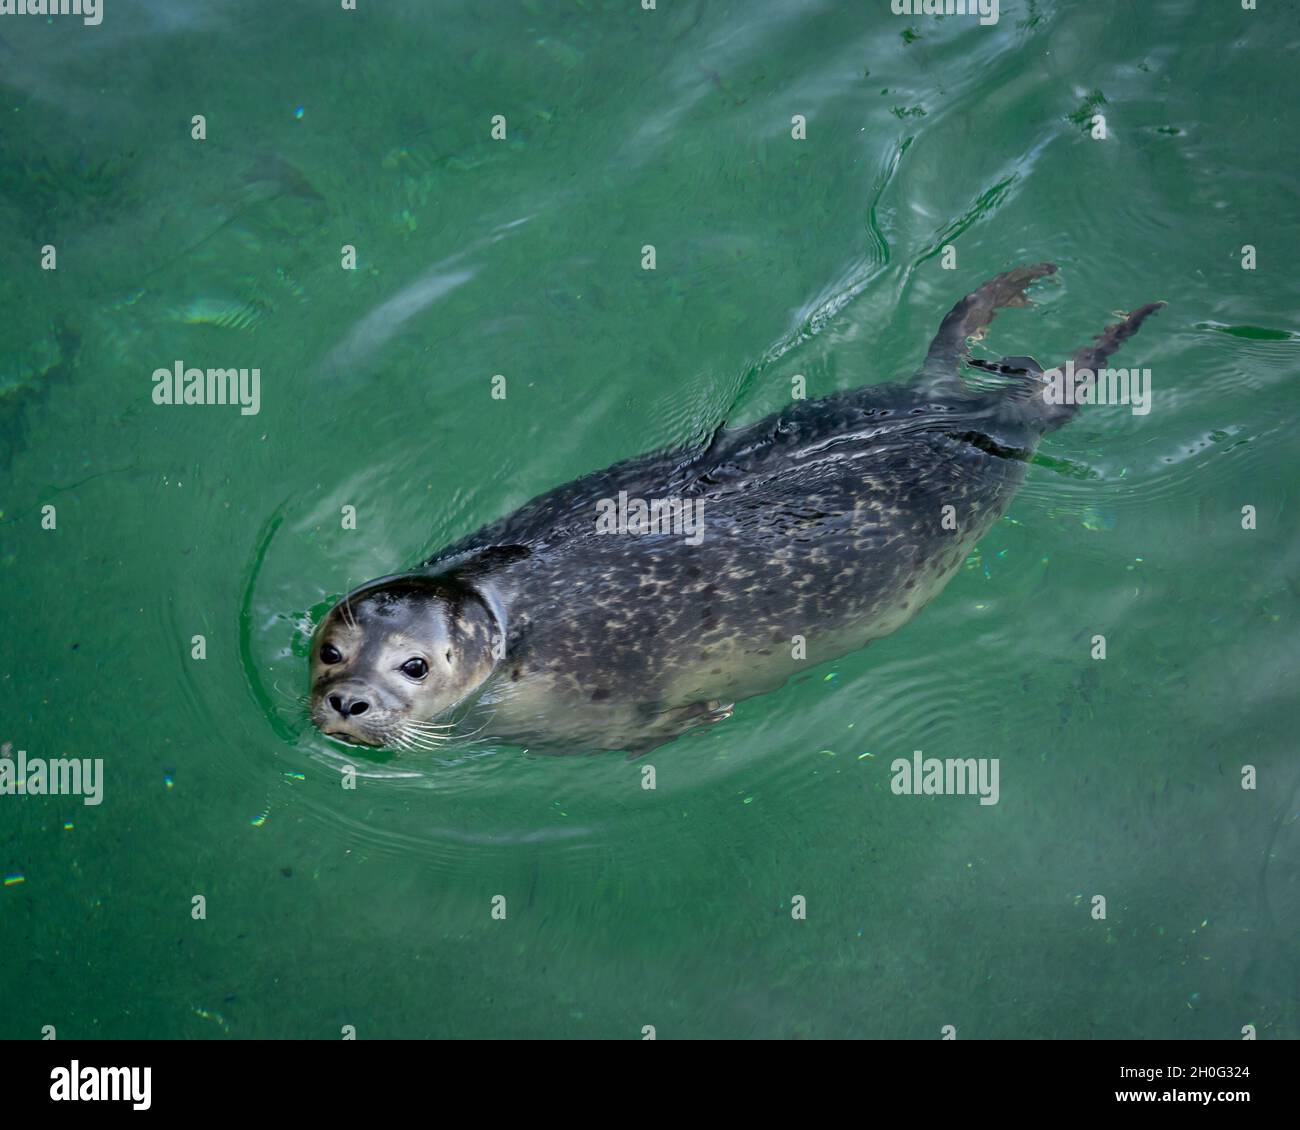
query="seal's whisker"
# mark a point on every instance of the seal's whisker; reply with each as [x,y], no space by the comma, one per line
[474,733]
[419,741]
[431,727]
[433,731]
[345,607]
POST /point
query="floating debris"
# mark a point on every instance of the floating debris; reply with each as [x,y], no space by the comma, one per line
[15,879]
[215,1017]
[224,313]
[1084,115]
[1092,519]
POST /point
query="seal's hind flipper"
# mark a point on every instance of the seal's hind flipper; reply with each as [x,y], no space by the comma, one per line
[1112,337]
[974,312]
[1093,356]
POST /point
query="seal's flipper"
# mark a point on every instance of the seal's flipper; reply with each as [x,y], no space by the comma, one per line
[974,312]
[1094,356]
[671,724]
[1112,337]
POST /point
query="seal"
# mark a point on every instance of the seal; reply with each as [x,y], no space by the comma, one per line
[577,623]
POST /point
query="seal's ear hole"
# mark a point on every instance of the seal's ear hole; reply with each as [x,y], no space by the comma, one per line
[449,655]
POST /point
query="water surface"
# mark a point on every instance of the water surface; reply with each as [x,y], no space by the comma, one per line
[522,257]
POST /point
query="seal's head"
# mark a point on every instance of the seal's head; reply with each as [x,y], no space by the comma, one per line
[395,654]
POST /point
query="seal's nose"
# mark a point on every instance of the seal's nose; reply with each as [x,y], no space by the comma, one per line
[348,706]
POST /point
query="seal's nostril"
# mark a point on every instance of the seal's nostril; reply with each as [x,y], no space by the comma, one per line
[346,706]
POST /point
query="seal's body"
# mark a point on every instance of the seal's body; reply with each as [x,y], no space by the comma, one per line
[809,534]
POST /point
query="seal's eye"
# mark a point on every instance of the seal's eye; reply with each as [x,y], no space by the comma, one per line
[415,668]
[330,654]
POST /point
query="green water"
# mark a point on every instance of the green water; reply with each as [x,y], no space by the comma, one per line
[371,907]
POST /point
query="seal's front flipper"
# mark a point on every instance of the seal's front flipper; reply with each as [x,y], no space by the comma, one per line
[666,725]
[972,314]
